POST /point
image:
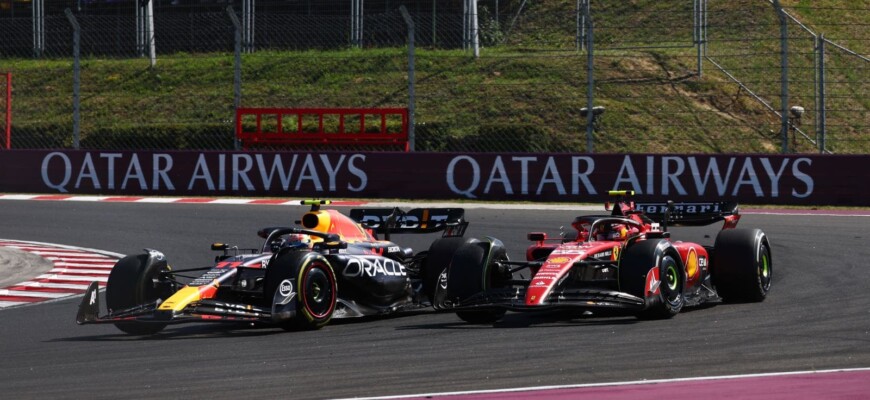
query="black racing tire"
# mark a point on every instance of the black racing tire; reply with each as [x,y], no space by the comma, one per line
[316,285]
[434,267]
[635,264]
[133,282]
[742,266]
[471,273]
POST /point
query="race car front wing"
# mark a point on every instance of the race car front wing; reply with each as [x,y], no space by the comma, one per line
[202,311]
[513,299]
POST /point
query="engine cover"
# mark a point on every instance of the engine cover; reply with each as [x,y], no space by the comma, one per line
[376,280]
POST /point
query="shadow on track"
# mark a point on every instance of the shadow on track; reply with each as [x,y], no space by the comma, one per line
[532,320]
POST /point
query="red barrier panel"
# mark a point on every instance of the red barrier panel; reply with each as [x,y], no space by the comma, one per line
[366,127]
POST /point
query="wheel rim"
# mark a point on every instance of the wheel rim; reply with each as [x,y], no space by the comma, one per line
[672,278]
[319,293]
[672,282]
[765,269]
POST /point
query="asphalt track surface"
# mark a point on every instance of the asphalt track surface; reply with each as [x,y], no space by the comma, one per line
[817,317]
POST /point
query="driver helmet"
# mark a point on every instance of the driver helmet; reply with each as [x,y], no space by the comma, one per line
[298,241]
[293,241]
[612,232]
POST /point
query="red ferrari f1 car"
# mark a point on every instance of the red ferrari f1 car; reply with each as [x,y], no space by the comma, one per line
[333,266]
[622,263]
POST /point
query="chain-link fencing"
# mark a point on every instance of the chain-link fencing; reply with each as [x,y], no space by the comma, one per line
[673,76]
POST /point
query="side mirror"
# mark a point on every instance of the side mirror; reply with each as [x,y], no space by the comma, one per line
[537,236]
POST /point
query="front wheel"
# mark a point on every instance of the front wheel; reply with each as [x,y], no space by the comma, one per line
[307,280]
[318,293]
[134,281]
[663,291]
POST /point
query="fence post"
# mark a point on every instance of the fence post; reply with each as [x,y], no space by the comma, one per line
[700,31]
[582,10]
[356,23]
[475,29]
[76,76]
[784,112]
[237,72]
[38,28]
[590,83]
[411,94]
[8,110]
[248,18]
[145,31]
[822,106]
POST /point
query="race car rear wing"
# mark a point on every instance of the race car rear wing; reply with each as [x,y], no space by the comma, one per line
[418,220]
[691,214]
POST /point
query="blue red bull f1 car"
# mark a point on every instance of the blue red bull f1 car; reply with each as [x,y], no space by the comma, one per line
[332,266]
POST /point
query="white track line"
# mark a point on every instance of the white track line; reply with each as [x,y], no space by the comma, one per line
[592,385]
[25,293]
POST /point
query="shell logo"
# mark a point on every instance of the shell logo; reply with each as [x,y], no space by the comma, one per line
[558,260]
[692,263]
[615,254]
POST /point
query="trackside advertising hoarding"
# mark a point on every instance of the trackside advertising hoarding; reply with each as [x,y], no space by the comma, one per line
[750,179]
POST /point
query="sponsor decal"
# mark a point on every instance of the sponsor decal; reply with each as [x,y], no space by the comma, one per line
[524,176]
[408,221]
[798,179]
[550,179]
[603,254]
[442,279]
[285,290]
[540,283]
[571,252]
[213,275]
[161,172]
[558,260]
[681,208]
[653,282]
[692,263]
[702,262]
[156,255]
[373,266]
[615,255]
[93,299]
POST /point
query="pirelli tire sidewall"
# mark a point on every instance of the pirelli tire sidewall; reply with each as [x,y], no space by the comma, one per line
[635,263]
[302,288]
[318,292]
[133,282]
[742,265]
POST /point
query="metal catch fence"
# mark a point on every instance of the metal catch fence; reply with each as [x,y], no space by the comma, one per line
[480,75]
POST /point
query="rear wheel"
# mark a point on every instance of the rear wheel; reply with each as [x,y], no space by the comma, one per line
[473,271]
[742,266]
[134,281]
[636,263]
[434,269]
